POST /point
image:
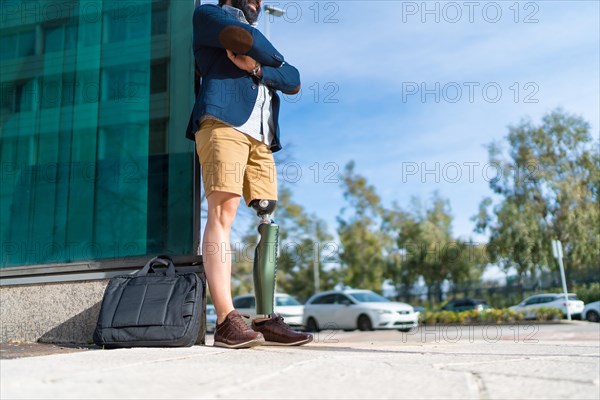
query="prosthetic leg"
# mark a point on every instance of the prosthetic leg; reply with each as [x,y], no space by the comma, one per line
[265,258]
[274,330]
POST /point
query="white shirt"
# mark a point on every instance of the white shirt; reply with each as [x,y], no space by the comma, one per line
[260,123]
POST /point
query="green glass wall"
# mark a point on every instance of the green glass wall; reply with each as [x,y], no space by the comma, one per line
[94,163]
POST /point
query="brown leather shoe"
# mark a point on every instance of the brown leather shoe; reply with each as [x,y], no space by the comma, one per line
[278,333]
[234,333]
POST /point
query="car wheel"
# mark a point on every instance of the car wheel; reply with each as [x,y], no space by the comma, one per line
[364,323]
[592,316]
[311,325]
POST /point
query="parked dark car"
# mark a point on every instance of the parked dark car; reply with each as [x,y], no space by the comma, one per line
[465,305]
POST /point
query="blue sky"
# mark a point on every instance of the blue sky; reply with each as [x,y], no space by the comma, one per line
[369,71]
[380,61]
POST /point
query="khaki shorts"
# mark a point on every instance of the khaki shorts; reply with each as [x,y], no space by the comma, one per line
[234,162]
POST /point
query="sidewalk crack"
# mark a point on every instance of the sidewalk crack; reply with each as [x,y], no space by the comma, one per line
[480,384]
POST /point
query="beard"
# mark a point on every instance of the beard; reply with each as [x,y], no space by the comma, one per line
[249,13]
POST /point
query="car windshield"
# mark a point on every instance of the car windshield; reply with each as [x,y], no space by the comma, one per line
[283,301]
[368,297]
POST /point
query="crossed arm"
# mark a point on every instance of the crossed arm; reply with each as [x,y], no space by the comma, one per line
[246,47]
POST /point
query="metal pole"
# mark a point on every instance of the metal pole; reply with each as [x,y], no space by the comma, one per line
[267,26]
[316,259]
[564,285]
[558,254]
[271,12]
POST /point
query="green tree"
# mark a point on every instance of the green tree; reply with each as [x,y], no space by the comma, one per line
[304,239]
[548,185]
[363,242]
[424,238]
[395,221]
[400,245]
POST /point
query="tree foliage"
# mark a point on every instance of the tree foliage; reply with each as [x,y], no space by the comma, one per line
[548,184]
[362,240]
[304,239]
[429,250]
[400,245]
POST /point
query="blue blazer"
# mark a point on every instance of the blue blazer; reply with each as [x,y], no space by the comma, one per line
[226,91]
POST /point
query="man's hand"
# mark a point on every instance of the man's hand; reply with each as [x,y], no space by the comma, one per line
[242,62]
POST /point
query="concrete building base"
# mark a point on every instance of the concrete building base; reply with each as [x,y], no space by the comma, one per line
[64,313]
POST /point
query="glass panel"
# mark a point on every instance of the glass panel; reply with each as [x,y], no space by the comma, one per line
[51,91]
[534,300]
[7,98]
[116,30]
[53,39]
[26,95]
[326,299]
[286,301]
[91,167]
[70,37]
[26,44]
[127,83]
[343,299]
[159,22]
[158,137]
[128,20]
[68,90]
[368,297]
[8,47]
[244,302]
[158,78]
[87,87]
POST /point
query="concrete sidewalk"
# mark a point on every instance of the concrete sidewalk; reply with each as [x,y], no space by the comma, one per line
[495,362]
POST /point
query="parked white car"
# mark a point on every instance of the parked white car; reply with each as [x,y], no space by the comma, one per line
[211,318]
[286,306]
[591,312]
[357,309]
[549,300]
